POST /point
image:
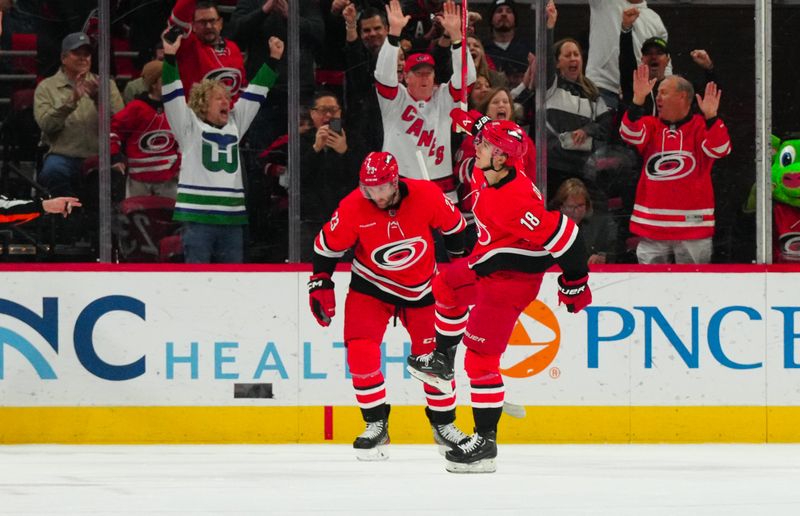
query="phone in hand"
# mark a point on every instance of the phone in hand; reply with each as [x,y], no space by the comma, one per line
[336,125]
[173,34]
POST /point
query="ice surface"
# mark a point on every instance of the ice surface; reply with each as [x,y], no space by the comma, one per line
[615,480]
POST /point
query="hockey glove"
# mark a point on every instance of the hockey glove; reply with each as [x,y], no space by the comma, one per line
[321,298]
[575,294]
[470,122]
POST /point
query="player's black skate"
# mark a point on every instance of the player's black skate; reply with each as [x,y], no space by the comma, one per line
[371,444]
[434,368]
[448,436]
[477,455]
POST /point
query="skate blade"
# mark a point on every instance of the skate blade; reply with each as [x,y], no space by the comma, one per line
[481,466]
[445,386]
[375,454]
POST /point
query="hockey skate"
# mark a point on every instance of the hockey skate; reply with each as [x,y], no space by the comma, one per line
[448,437]
[371,445]
[434,368]
[477,455]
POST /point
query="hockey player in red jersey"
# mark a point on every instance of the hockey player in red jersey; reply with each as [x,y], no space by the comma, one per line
[388,221]
[518,239]
[674,206]
[204,53]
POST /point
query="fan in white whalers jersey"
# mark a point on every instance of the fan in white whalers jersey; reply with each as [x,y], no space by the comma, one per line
[416,117]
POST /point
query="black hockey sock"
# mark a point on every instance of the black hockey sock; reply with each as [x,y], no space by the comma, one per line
[440,418]
[444,343]
[376,413]
[486,419]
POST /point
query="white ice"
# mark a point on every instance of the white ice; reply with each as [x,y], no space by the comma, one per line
[640,480]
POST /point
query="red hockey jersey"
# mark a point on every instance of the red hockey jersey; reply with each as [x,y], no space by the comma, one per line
[394,257]
[141,132]
[198,61]
[674,197]
[515,231]
[785,233]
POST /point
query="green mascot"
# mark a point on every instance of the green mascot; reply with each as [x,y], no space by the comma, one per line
[786,201]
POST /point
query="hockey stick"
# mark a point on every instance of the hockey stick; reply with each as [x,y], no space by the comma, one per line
[422,168]
[464,15]
[514,410]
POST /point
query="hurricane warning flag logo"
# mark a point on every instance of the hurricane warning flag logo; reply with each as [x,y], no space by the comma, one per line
[534,342]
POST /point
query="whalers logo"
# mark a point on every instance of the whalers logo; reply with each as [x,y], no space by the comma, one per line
[220,152]
[537,336]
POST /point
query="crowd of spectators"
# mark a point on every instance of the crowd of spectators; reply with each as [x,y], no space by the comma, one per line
[379,75]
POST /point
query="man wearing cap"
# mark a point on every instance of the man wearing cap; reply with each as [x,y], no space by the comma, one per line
[65,107]
[141,133]
[416,117]
[656,56]
[602,66]
[508,51]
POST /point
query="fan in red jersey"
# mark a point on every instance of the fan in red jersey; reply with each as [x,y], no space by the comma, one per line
[205,54]
[518,239]
[387,221]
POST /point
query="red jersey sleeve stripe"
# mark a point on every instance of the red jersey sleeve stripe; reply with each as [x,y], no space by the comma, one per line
[630,134]
[716,152]
[563,237]
[460,225]
[387,92]
[321,247]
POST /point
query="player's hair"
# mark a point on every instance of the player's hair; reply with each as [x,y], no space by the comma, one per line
[200,95]
[572,186]
[371,12]
[588,87]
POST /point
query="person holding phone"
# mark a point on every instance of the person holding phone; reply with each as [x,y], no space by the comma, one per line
[329,167]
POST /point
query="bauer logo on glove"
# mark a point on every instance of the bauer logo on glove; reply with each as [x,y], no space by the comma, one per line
[575,294]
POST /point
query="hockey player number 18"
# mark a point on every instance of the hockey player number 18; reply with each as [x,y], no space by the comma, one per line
[529,220]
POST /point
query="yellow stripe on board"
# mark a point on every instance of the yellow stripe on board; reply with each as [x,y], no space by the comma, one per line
[407,425]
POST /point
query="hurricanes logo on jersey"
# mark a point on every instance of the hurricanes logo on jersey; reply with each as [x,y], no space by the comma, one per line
[670,165]
[790,246]
[220,152]
[154,142]
[484,237]
[534,342]
[231,78]
[400,255]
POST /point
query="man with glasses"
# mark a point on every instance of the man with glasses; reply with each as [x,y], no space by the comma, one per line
[204,53]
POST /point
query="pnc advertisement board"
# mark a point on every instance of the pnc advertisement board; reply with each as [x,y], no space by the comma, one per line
[166,339]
